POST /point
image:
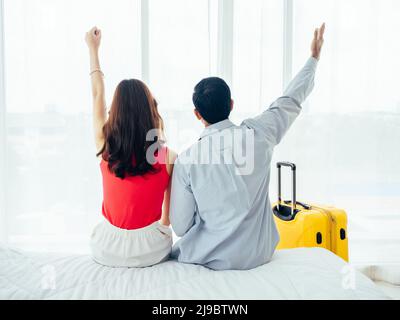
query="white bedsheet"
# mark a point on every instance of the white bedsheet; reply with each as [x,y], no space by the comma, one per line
[293,274]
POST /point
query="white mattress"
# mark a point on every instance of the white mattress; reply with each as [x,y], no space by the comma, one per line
[292,274]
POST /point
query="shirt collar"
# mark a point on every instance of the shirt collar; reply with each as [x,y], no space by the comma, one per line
[217,127]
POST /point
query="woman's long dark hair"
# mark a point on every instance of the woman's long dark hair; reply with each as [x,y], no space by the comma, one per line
[133,114]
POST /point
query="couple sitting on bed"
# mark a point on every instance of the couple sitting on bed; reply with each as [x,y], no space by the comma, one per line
[216,202]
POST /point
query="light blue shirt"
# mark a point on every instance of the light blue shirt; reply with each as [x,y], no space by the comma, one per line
[221,208]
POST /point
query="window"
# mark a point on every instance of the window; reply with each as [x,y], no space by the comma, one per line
[257,55]
[344,143]
[179,58]
[53,190]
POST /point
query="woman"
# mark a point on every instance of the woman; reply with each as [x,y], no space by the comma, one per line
[136,173]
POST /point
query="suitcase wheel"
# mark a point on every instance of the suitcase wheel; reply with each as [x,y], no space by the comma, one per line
[319,238]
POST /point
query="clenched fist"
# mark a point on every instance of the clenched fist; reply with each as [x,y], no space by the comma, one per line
[93,38]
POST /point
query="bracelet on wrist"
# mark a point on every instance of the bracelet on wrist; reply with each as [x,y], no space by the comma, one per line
[95,71]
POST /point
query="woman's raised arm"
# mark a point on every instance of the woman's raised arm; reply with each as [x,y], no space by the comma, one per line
[93,40]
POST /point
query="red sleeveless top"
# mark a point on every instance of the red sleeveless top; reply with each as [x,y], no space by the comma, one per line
[135,202]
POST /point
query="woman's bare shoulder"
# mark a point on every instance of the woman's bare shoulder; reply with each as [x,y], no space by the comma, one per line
[170,160]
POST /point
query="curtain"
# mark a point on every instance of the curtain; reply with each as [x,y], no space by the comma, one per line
[345,143]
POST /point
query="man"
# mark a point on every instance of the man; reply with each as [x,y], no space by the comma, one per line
[221,211]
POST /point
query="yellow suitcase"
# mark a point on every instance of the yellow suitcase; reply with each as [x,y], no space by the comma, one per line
[309,225]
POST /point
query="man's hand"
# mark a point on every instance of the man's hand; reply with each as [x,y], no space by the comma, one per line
[318,42]
[93,38]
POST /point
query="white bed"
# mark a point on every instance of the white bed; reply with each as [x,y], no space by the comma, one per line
[293,274]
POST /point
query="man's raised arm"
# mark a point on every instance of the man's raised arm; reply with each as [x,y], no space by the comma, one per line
[275,122]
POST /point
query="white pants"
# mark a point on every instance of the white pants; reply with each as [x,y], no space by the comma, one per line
[115,247]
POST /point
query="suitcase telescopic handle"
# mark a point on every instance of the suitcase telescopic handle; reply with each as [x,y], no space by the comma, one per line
[293,167]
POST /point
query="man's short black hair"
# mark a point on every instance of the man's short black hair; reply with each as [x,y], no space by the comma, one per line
[212,99]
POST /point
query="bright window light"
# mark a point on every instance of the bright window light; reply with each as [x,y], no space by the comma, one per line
[345,143]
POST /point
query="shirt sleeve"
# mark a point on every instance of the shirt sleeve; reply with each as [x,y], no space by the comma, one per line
[275,122]
[182,204]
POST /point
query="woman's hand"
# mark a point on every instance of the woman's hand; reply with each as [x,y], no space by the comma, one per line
[318,42]
[93,38]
